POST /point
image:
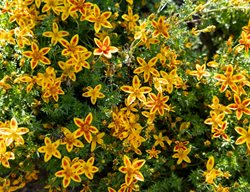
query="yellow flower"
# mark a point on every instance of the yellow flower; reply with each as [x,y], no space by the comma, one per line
[147,68]
[100,19]
[70,171]
[161,27]
[5,156]
[215,120]
[153,153]
[240,107]
[131,169]
[66,10]
[53,89]
[200,72]
[157,103]
[37,55]
[221,132]
[55,35]
[85,128]
[245,136]
[97,139]
[70,139]
[94,93]
[160,140]
[50,149]
[182,156]
[68,70]
[13,133]
[229,79]
[88,169]
[211,173]
[52,4]
[104,47]
[71,48]
[135,91]
[130,18]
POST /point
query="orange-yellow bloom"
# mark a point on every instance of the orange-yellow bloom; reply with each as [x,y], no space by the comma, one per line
[72,48]
[37,55]
[97,139]
[130,18]
[50,149]
[70,139]
[53,90]
[104,47]
[200,71]
[85,128]
[88,169]
[5,156]
[131,169]
[161,27]
[13,133]
[55,35]
[211,173]
[182,156]
[240,107]
[100,19]
[69,171]
[221,132]
[94,93]
[244,138]
[229,79]
[157,103]
[147,68]
[135,91]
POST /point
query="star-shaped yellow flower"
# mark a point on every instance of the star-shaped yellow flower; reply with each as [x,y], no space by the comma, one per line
[240,106]
[69,171]
[135,91]
[5,156]
[50,149]
[85,128]
[244,138]
[147,68]
[55,35]
[131,169]
[70,139]
[13,133]
[88,169]
[161,27]
[72,48]
[37,55]
[94,93]
[100,19]
[182,156]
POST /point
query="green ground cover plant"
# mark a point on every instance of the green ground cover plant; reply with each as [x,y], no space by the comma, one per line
[125,95]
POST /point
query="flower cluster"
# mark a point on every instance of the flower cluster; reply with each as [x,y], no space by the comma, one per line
[119,95]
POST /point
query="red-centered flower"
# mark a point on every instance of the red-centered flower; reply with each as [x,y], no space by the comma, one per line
[50,149]
[244,138]
[200,72]
[135,91]
[147,68]
[55,34]
[100,19]
[221,132]
[13,133]
[161,27]
[72,48]
[104,47]
[69,171]
[85,128]
[53,90]
[240,107]
[88,169]
[131,169]
[37,55]
[229,79]
[157,103]
[78,5]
